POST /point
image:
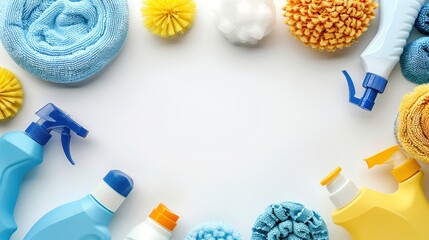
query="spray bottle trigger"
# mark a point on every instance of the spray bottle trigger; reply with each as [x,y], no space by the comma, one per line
[382,157]
[65,142]
[352,91]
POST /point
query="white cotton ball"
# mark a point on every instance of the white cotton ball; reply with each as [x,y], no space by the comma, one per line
[244,21]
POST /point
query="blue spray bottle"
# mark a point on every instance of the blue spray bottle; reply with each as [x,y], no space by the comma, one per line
[22,151]
[88,218]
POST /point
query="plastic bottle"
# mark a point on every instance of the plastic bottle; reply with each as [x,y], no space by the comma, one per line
[371,215]
[88,218]
[382,54]
[158,226]
[22,151]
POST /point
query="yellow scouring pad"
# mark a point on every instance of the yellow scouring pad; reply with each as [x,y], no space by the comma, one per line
[168,18]
[11,94]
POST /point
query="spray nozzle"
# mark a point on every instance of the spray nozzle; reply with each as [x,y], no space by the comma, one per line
[404,167]
[54,119]
[373,85]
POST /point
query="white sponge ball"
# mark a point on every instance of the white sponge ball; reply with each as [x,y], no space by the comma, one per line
[244,21]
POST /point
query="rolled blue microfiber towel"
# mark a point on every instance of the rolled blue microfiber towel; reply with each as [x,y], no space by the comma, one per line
[213,231]
[415,61]
[289,221]
[422,21]
[63,41]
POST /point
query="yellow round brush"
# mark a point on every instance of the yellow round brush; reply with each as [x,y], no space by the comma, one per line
[168,18]
[11,94]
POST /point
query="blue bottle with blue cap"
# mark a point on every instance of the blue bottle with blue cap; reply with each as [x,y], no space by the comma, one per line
[88,218]
[22,151]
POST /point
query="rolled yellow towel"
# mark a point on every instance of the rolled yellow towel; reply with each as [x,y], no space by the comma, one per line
[412,127]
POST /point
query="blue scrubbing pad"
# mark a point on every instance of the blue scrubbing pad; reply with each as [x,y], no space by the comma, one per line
[289,221]
[415,61]
[213,231]
[63,41]
[422,20]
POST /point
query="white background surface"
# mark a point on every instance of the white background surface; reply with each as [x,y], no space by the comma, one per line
[213,130]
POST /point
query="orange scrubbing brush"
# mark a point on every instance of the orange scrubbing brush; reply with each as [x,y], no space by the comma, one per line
[329,24]
[11,94]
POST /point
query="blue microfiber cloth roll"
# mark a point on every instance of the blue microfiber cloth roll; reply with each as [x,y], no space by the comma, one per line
[415,61]
[63,41]
[422,21]
[213,231]
[289,221]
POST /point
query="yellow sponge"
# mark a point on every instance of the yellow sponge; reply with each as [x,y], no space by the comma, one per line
[168,18]
[412,127]
[329,24]
[11,94]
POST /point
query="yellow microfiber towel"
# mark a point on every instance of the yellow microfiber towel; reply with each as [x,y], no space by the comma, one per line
[329,24]
[412,127]
[11,94]
[168,18]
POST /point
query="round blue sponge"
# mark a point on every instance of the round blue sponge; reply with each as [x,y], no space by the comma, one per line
[289,221]
[63,41]
[422,20]
[213,231]
[415,61]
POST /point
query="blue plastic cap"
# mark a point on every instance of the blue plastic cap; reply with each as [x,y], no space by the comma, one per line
[373,85]
[120,182]
[54,119]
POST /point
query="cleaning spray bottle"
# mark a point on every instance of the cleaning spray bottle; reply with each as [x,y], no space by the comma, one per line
[22,151]
[371,215]
[382,54]
[158,226]
[88,218]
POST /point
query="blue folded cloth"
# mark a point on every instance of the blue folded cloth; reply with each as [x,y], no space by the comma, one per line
[422,20]
[415,61]
[289,221]
[213,231]
[63,41]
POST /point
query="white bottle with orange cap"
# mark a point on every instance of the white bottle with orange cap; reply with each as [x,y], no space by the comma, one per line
[158,226]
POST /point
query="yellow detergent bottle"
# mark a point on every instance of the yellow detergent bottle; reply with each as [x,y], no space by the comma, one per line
[371,215]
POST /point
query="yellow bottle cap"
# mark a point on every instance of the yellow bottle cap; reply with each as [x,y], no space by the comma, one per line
[164,217]
[381,157]
[328,179]
[406,170]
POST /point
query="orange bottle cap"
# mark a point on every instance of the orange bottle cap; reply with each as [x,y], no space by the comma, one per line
[164,217]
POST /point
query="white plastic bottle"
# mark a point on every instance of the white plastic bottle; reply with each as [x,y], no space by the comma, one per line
[158,226]
[397,18]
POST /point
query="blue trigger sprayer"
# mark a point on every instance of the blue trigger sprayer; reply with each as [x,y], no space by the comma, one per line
[382,54]
[22,151]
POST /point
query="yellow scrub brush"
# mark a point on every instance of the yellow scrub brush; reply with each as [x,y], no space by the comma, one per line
[11,94]
[329,24]
[168,18]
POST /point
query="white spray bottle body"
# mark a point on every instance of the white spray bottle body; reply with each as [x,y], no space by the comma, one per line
[397,18]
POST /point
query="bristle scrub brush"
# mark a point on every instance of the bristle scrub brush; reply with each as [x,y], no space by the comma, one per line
[412,124]
[213,231]
[63,41]
[289,221]
[11,94]
[244,21]
[326,24]
[415,59]
[168,18]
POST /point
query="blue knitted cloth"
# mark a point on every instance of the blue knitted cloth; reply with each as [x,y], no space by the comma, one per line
[423,19]
[415,58]
[213,231]
[63,41]
[289,221]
